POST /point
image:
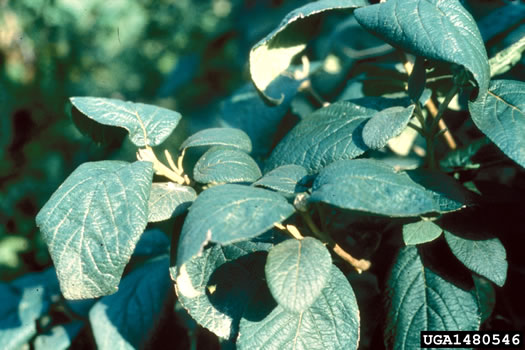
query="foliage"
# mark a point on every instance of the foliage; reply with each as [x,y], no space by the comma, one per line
[324,205]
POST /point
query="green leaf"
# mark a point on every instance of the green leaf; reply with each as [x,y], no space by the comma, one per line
[225,165]
[500,115]
[273,55]
[168,199]
[216,286]
[92,223]
[127,318]
[329,134]
[286,179]
[385,125]
[331,322]
[59,337]
[296,272]
[371,186]
[146,124]
[448,194]
[247,111]
[23,302]
[420,232]
[420,300]
[228,213]
[434,29]
[230,137]
[486,257]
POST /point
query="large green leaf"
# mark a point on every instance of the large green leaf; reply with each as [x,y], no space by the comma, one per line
[329,134]
[296,272]
[371,186]
[500,115]
[486,257]
[286,179]
[146,124]
[226,165]
[23,302]
[273,55]
[127,318]
[229,213]
[385,125]
[420,232]
[331,322]
[216,286]
[92,223]
[230,137]
[168,199]
[420,300]
[435,29]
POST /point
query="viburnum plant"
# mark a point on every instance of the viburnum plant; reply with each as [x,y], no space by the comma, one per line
[276,238]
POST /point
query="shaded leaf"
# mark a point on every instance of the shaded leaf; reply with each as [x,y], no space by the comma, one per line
[486,257]
[286,178]
[331,322]
[216,286]
[246,110]
[226,165]
[420,300]
[92,223]
[420,232]
[385,125]
[296,272]
[273,55]
[146,124]
[434,29]
[486,296]
[500,115]
[230,137]
[329,134]
[168,199]
[228,213]
[126,319]
[23,302]
[152,242]
[417,80]
[462,157]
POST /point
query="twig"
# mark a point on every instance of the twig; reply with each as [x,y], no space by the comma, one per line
[359,264]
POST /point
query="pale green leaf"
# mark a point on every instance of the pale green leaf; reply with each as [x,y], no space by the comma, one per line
[330,323]
[146,124]
[371,186]
[296,272]
[420,232]
[230,137]
[168,200]
[229,213]
[226,165]
[92,223]
[385,125]
[329,134]
[486,257]
[500,114]
[420,300]
[273,55]
[435,29]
